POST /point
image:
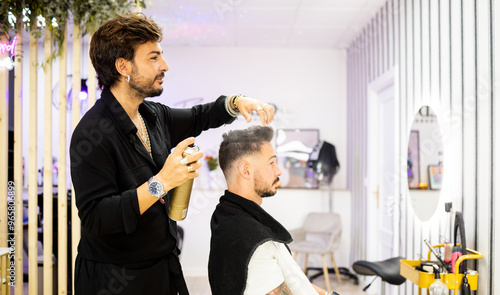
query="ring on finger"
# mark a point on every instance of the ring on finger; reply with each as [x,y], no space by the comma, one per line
[190,168]
[259,108]
[184,161]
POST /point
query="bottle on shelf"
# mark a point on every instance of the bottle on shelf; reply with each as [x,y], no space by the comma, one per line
[438,287]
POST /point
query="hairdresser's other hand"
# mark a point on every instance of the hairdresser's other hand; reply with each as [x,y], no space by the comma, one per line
[247,105]
[176,171]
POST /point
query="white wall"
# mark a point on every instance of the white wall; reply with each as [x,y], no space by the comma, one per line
[307,85]
[309,88]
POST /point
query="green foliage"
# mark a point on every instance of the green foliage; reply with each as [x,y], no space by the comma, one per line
[88,14]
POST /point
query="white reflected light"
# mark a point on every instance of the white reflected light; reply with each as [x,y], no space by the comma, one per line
[7,63]
[83,95]
[40,20]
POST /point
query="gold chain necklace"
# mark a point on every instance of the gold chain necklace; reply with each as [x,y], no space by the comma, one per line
[144,135]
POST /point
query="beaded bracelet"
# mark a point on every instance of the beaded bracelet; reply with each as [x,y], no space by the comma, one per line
[235,107]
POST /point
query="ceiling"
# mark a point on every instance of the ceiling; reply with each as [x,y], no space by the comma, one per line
[262,23]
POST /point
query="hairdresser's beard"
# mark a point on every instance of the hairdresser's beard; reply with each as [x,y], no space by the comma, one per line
[146,87]
[264,188]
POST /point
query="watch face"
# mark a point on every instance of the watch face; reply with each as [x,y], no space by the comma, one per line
[155,188]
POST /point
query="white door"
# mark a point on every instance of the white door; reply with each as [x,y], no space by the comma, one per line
[383,200]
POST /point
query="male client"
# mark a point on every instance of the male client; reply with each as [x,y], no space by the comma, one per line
[248,249]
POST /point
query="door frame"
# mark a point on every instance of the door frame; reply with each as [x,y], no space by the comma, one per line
[374,100]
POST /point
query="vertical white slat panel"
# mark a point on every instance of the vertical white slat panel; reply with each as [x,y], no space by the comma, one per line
[382,55]
[389,61]
[382,47]
[390,34]
[380,42]
[429,232]
[374,39]
[495,244]
[469,122]
[425,54]
[62,190]
[48,267]
[454,167]
[18,161]
[435,58]
[445,120]
[32,177]
[409,63]
[4,168]
[395,26]
[445,38]
[351,63]
[410,48]
[91,81]
[77,54]
[484,139]
[417,55]
[361,144]
[361,147]
[352,141]
[437,102]
[354,171]
[373,50]
[445,91]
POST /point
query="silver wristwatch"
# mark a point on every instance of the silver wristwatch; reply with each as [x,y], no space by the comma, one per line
[155,188]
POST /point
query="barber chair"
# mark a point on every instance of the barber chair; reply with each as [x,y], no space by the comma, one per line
[387,270]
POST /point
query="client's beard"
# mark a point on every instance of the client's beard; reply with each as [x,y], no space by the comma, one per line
[263,190]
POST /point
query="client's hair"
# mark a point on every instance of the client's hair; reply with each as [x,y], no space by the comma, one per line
[238,143]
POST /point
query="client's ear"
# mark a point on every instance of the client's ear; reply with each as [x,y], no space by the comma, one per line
[244,169]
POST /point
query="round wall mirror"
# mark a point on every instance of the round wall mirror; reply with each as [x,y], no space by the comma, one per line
[425,163]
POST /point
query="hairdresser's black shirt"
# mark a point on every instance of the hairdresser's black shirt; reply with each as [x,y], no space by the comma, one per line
[109,162]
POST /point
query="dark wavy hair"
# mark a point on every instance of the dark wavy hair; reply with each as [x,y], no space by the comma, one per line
[238,143]
[120,37]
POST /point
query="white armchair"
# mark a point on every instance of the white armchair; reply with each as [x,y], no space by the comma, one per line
[320,234]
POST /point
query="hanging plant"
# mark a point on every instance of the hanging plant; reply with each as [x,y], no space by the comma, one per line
[91,14]
[35,14]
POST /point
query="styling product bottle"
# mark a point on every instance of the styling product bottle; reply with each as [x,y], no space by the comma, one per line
[181,194]
[438,287]
[456,253]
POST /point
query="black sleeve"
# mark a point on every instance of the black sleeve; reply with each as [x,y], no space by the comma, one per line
[183,123]
[103,210]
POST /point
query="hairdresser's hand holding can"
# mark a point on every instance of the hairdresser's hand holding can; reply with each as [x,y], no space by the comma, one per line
[181,195]
[178,168]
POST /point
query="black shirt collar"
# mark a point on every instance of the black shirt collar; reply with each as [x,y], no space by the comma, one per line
[122,117]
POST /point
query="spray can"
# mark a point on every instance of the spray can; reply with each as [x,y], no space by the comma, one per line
[180,195]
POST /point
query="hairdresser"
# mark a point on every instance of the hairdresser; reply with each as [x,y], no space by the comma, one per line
[122,168]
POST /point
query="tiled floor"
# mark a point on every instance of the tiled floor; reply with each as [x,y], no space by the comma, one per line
[200,286]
